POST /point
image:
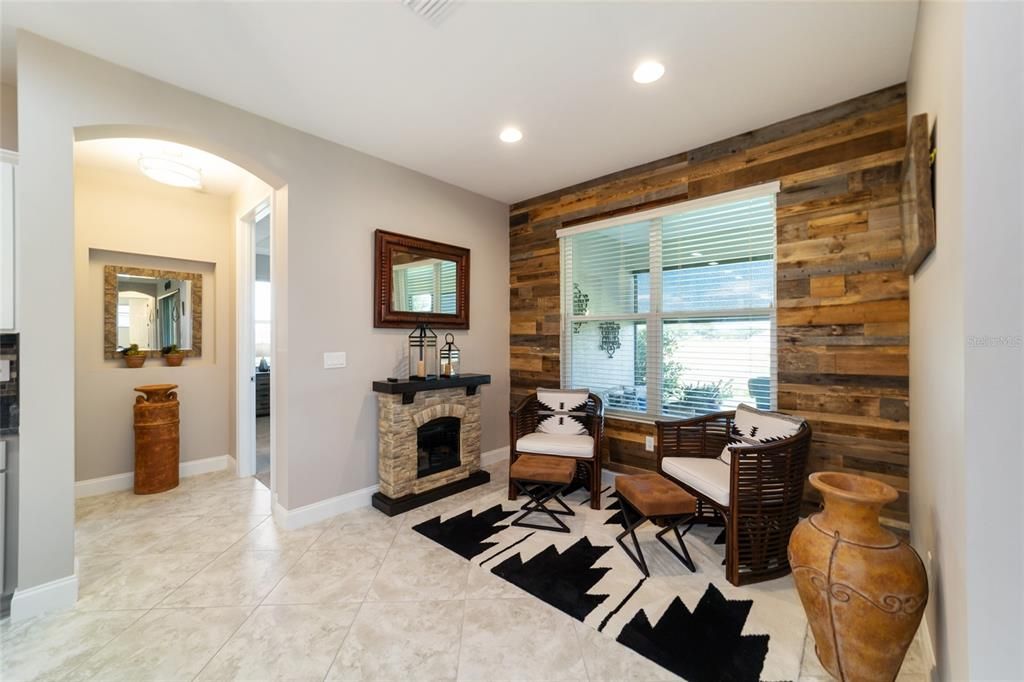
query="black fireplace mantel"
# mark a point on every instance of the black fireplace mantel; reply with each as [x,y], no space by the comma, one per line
[410,387]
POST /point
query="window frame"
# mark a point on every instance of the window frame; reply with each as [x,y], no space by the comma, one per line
[655,317]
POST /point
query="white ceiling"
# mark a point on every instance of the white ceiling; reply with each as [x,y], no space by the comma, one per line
[433,97]
[219,176]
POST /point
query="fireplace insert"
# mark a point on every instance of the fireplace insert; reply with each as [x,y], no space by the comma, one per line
[437,446]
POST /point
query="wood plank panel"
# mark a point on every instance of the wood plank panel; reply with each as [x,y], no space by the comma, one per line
[843,302]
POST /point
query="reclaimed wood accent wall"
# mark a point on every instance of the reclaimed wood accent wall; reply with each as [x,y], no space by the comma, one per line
[843,302]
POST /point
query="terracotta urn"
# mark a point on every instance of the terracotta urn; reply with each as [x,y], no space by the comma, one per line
[156,439]
[174,359]
[864,589]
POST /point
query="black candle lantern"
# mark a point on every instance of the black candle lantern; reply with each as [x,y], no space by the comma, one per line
[449,357]
[422,353]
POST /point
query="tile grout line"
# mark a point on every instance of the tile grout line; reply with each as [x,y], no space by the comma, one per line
[344,639]
[226,640]
[462,631]
[362,602]
[154,607]
[256,607]
[107,643]
[292,565]
[579,646]
[149,610]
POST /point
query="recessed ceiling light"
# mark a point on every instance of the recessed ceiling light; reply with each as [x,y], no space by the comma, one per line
[511,134]
[648,72]
[170,172]
[713,262]
[696,254]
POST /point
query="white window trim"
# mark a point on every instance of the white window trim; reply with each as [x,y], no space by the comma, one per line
[753,192]
[654,317]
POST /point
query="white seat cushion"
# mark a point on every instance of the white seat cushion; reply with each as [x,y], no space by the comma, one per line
[556,444]
[705,474]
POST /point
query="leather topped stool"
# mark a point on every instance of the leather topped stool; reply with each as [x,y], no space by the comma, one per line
[652,496]
[542,478]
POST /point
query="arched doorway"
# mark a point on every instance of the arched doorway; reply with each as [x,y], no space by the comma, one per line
[122,150]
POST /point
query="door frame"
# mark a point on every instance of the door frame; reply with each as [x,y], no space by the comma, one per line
[245,340]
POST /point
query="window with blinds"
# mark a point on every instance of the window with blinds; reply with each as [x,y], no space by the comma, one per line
[427,286]
[672,312]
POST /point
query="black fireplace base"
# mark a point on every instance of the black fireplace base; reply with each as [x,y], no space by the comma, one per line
[391,506]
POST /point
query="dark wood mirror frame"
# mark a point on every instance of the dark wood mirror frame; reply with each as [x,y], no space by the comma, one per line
[386,245]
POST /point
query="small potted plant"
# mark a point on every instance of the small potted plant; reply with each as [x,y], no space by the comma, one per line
[133,357]
[173,355]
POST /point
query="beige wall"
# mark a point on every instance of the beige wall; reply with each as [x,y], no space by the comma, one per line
[127,219]
[966,365]
[937,504]
[993,210]
[328,201]
[8,117]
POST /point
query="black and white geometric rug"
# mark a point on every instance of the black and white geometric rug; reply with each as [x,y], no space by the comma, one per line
[696,625]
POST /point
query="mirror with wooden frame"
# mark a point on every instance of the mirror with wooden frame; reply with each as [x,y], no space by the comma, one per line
[152,309]
[418,281]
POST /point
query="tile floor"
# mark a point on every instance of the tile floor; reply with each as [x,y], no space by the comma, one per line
[198,583]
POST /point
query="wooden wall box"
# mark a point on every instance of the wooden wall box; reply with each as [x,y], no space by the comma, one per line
[156,439]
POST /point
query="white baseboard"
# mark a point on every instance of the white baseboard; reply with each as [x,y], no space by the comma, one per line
[56,595]
[493,456]
[125,481]
[290,519]
[196,467]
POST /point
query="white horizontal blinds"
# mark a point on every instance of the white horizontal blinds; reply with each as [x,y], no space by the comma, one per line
[448,300]
[419,287]
[607,263]
[720,258]
[606,304]
[673,314]
[430,287]
[718,279]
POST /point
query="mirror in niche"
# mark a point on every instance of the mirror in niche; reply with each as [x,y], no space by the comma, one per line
[418,281]
[152,309]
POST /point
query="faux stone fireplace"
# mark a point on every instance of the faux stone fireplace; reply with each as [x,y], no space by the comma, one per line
[428,440]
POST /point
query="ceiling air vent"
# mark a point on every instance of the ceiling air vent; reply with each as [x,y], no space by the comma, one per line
[433,11]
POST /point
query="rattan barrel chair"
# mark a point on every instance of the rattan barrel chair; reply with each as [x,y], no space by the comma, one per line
[754,488]
[527,437]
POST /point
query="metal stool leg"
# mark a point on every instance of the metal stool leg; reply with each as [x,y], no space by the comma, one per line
[540,494]
[631,527]
[530,505]
[685,556]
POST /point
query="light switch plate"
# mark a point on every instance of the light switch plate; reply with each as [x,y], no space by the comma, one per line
[5,370]
[334,360]
[649,443]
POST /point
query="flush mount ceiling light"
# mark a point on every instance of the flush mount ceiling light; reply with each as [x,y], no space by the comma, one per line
[170,172]
[511,135]
[433,11]
[648,72]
